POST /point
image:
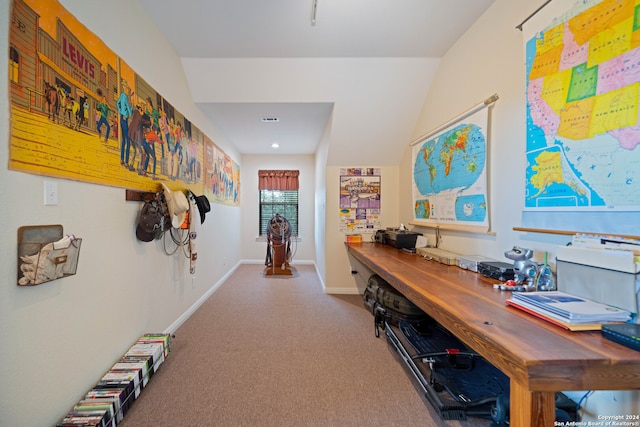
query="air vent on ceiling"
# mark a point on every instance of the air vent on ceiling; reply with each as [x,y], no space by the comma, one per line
[270,119]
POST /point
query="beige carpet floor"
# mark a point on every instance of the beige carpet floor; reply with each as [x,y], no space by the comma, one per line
[277,351]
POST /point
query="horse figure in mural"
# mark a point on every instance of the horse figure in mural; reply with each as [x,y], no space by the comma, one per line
[53,101]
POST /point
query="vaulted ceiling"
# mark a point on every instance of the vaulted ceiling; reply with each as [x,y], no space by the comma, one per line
[354,71]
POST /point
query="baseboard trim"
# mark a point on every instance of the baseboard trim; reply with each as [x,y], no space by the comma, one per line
[185,316]
[342,291]
[261,261]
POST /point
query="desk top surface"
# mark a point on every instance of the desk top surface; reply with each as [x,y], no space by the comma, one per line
[537,354]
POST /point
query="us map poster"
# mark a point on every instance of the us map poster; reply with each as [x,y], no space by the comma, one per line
[80,112]
[359,200]
[450,177]
[583,129]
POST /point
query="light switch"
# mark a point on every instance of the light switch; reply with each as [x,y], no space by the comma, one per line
[50,193]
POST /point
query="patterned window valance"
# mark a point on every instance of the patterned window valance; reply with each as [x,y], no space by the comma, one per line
[278,179]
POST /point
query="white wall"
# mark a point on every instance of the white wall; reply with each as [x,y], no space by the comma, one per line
[338,278]
[321,201]
[490,59]
[58,338]
[357,87]
[254,249]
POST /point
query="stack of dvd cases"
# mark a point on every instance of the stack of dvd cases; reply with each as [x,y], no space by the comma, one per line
[107,402]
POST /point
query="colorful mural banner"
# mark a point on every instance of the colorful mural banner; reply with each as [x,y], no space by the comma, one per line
[79,112]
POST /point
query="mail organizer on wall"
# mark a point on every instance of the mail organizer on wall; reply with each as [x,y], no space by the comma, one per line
[46,254]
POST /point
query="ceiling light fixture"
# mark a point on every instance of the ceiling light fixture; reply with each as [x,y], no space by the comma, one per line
[270,119]
[275,145]
[314,9]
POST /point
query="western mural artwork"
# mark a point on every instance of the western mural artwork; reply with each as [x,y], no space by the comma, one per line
[78,111]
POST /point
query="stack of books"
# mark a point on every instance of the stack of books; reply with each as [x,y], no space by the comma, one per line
[568,311]
[353,238]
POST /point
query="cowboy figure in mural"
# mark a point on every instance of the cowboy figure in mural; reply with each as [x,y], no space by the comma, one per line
[53,101]
[102,118]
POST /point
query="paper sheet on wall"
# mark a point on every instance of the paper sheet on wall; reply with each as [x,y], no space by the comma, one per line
[360,200]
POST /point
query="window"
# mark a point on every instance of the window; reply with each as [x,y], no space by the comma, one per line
[14,65]
[278,195]
[283,202]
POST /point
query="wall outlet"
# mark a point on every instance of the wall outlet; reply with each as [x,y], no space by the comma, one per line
[224,261]
[50,193]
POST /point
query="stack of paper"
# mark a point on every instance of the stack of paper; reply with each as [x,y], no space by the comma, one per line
[566,310]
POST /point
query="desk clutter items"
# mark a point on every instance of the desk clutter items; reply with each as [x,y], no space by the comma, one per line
[400,238]
[496,270]
[353,238]
[601,268]
[568,311]
[470,262]
[627,334]
[440,255]
[525,271]
[108,401]
[46,254]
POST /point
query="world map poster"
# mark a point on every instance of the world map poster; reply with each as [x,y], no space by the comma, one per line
[449,175]
[583,132]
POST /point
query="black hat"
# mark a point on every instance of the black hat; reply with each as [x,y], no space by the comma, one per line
[203,206]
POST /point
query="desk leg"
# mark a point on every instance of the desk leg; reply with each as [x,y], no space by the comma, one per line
[529,409]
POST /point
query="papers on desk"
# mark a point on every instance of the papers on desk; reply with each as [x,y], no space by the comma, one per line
[568,311]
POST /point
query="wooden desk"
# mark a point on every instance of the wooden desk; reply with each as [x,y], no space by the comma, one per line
[538,357]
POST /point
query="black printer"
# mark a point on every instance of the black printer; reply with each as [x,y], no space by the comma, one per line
[401,239]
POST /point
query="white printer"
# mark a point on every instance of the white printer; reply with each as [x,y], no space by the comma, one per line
[601,273]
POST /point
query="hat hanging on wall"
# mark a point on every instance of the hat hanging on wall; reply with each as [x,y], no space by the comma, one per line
[203,205]
[149,222]
[177,204]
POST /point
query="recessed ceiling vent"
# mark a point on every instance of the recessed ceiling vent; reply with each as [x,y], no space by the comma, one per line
[270,119]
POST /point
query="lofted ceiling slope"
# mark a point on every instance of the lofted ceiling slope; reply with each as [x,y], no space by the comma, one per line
[356,75]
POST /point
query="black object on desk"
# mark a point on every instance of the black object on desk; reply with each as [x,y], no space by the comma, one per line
[496,270]
[401,239]
[627,334]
